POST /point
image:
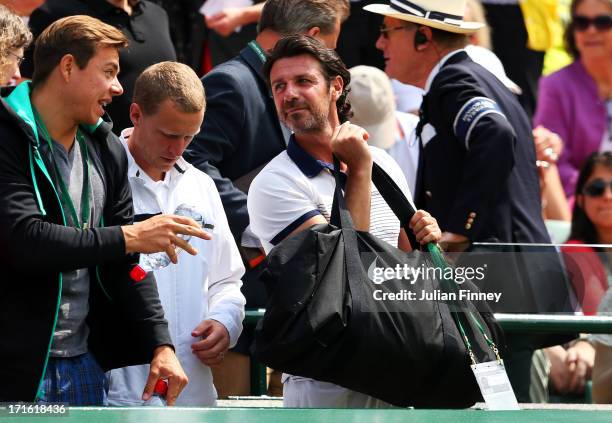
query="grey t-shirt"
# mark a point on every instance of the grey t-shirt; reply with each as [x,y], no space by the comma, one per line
[71,331]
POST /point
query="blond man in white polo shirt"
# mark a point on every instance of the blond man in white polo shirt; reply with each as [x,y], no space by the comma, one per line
[201,294]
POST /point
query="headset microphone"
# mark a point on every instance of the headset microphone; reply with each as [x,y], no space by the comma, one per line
[419,39]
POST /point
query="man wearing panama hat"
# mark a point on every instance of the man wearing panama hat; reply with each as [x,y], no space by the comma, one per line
[477,169]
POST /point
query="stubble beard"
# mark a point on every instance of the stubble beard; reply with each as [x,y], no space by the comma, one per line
[314,122]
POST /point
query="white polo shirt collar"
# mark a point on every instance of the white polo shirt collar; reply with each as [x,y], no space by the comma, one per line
[134,171]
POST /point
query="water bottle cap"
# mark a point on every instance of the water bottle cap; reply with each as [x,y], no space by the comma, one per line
[161,388]
[137,273]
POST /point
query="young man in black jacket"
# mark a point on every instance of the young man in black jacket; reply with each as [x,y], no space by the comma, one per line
[72,301]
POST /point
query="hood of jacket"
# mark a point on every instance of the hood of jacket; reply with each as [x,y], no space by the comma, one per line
[17,100]
[18,105]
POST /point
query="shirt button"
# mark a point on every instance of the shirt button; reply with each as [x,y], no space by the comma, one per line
[468,226]
[428,194]
[470,220]
[472,215]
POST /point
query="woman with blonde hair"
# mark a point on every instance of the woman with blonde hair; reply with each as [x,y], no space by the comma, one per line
[14,38]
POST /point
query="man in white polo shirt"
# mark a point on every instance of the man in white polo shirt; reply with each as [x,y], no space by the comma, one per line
[201,294]
[294,191]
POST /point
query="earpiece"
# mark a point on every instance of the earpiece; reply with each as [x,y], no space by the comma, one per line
[419,39]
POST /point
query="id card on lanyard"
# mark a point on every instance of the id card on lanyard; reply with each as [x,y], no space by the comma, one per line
[491,376]
[495,386]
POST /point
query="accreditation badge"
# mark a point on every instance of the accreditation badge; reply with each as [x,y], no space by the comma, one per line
[495,385]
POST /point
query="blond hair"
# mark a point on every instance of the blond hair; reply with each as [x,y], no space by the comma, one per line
[475,12]
[79,35]
[169,80]
[14,34]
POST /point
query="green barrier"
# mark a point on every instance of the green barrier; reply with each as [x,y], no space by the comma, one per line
[554,323]
[286,415]
[521,323]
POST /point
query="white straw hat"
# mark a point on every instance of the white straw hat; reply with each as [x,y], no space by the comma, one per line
[446,15]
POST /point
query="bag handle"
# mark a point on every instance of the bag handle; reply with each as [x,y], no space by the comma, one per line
[389,190]
[340,215]
[396,200]
[404,211]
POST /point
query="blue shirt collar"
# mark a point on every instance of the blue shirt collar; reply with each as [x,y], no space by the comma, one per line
[309,166]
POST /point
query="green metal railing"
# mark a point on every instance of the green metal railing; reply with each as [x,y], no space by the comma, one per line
[521,323]
[293,415]
[559,323]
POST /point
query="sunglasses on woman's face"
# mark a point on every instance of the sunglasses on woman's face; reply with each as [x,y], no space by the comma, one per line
[596,188]
[601,22]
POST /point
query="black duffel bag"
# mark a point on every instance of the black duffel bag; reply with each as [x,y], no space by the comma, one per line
[323,322]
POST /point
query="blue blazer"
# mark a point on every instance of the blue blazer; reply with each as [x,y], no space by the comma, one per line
[478,178]
[240,133]
[477,172]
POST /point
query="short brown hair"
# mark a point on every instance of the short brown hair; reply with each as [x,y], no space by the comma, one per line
[449,39]
[79,36]
[14,34]
[288,17]
[169,80]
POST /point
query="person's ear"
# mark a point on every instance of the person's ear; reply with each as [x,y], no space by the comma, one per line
[135,114]
[337,86]
[314,31]
[422,37]
[66,66]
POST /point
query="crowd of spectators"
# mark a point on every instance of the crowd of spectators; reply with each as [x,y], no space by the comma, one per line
[529,151]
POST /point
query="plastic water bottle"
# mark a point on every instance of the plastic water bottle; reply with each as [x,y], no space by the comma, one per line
[155,261]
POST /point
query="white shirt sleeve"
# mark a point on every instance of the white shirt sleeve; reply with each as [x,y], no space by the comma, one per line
[225,300]
[279,201]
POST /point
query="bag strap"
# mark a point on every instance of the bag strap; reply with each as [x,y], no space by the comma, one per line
[404,211]
[341,218]
[340,215]
[396,200]
[389,190]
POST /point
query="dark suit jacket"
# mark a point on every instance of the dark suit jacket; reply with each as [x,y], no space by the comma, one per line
[478,178]
[477,174]
[240,132]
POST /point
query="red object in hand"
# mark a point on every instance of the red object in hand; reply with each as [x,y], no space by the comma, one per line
[161,388]
[137,273]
